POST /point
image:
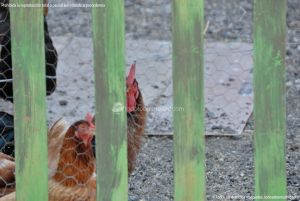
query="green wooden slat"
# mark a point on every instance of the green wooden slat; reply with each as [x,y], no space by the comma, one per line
[28,54]
[269,101]
[109,62]
[188,81]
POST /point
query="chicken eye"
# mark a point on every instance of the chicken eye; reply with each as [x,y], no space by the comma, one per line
[130,90]
[82,128]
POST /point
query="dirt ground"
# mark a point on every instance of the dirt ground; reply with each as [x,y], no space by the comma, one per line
[229,160]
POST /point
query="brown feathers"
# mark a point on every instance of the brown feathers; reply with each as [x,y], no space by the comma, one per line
[136,122]
[7,174]
[71,162]
[56,135]
[76,164]
[76,167]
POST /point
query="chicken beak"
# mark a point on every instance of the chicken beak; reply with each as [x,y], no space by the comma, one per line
[85,143]
[93,131]
[92,128]
[88,140]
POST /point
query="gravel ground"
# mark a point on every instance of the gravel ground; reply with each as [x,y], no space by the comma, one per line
[229,160]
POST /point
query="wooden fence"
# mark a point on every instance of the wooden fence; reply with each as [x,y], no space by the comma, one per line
[188,75]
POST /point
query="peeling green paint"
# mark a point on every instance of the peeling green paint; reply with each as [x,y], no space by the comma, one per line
[109,65]
[269,98]
[188,83]
[121,165]
[189,142]
[28,59]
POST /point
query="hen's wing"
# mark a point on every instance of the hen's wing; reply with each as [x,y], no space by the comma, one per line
[60,192]
[56,135]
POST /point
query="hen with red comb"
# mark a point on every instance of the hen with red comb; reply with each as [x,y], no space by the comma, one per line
[136,118]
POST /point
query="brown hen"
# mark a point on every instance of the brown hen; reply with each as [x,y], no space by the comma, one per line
[136,118]
[74,178]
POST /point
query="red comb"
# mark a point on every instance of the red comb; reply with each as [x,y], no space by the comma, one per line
[131,74]
[89,118]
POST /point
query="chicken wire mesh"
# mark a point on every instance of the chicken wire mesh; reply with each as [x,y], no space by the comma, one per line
[293,97]
[70,163]
[292,78]
[7,182]
[228,74]
[228,91]
[228,78]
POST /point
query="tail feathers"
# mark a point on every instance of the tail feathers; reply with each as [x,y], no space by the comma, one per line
[56,135]
[58,129]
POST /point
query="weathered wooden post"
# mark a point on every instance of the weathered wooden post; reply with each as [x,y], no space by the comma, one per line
[269,101]
[188,81]
[109,63]
[28,59]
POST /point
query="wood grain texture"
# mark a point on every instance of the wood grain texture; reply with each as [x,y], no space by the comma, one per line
[28,55]
[188,81]
[269,101]
[109,64]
